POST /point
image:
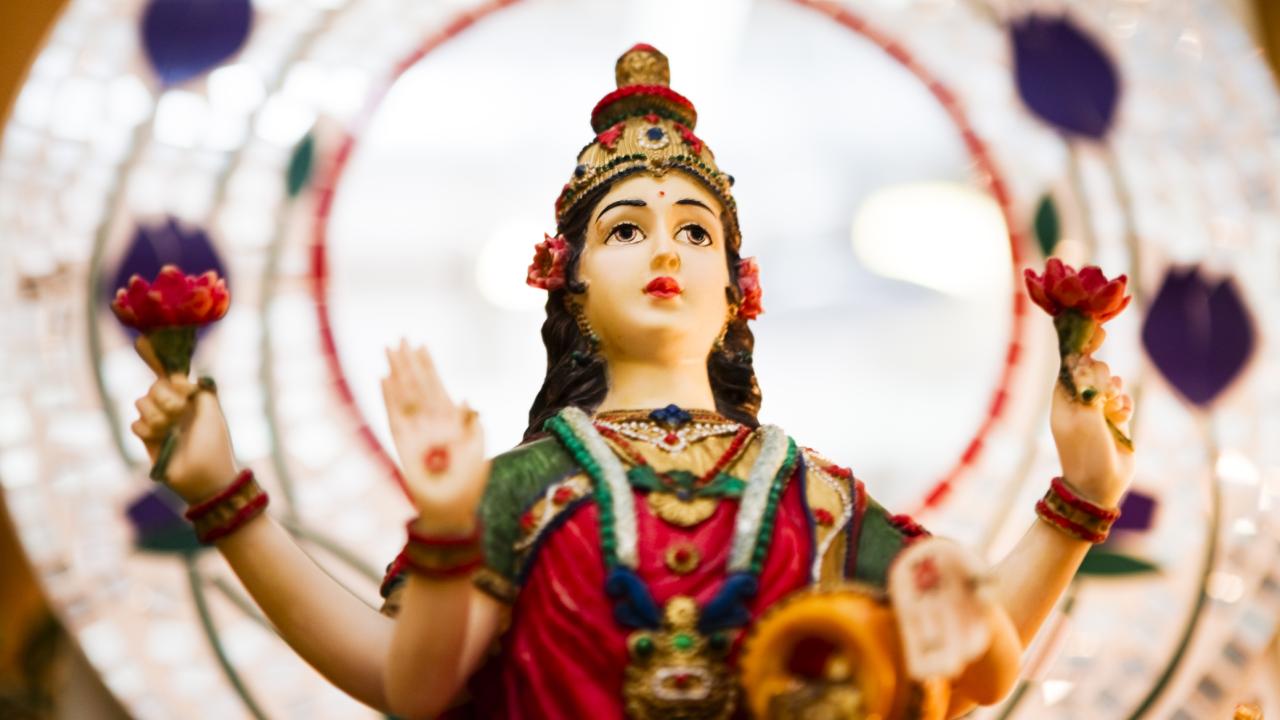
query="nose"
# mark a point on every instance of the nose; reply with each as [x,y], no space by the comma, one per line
[665,257]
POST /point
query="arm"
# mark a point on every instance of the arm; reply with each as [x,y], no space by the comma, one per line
[298,598]
[445,625]
[1031,578]
[292,591]
[347,641]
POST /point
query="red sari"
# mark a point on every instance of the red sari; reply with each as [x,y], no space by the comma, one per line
[564,655]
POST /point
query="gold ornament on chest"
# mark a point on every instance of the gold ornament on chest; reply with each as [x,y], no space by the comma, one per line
[677,673]
[682,513]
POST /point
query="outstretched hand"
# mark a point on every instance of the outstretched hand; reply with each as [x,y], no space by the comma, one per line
[440,443]
[1094,460]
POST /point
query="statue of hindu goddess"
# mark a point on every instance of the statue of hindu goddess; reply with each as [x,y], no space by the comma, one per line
[619,561]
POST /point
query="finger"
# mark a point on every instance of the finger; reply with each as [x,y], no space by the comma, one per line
[150,413]
[167,398]
[424,369]
[1117,383]
[147,433]
[393,403]
[401,392]
[1119,409]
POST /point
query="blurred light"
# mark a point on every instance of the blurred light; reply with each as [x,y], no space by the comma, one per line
[35,102]
[1055,691]
[283,121]
[128,100]
[1245,526]
[345,92]
[226,132]
[236,89]
[1225,587]
[77,108]
[944,236]
[306,83]
[180,118]
[1234,467]
[503,265]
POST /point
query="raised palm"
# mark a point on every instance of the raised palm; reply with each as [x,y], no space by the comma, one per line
[440,443]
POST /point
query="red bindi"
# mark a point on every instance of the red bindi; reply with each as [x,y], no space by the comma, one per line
[662,193]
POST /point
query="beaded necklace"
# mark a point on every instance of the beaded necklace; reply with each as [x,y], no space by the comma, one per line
[677,655]
[677,496]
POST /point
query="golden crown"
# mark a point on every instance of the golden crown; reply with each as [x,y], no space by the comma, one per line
[644,125]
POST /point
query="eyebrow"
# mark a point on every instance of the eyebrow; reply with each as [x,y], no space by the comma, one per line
[633,202]
[698,203]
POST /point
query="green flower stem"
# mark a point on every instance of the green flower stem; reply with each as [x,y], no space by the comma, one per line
[205,384]
[174,347]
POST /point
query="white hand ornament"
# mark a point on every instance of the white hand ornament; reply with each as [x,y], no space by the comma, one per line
[939,595]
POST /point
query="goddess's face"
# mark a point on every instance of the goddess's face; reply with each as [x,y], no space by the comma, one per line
[654,264]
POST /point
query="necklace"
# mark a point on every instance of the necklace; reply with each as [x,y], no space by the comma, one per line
[677,662]
[676,496]
[671,428]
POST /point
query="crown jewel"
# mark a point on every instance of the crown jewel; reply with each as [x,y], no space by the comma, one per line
[644,125]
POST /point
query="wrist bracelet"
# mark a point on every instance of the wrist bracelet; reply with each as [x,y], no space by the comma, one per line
[1064,509]
[226,512]
[440,556]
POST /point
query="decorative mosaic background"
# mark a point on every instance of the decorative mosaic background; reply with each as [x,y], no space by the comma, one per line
[364,169]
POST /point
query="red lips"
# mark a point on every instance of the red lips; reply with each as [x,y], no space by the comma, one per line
[663,287]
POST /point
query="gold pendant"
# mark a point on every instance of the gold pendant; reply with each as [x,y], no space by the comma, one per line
[677,673]
[685,513]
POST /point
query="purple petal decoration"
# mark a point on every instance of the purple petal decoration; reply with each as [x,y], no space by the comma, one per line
[1199,334]
[163,243]
[185,39]
[158,524]
[1137,512]
[1064,76]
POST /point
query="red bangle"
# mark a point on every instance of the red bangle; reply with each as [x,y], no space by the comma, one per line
[1068,526]
[229,510]
[242,516]
[437,573]
[417,536]
[441,556]
[1059,487]
[203,507]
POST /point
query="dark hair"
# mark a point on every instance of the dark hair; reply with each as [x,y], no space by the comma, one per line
[576,375]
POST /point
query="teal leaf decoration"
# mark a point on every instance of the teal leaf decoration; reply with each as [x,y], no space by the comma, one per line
[301,165]
[1047,225]
[1105,563]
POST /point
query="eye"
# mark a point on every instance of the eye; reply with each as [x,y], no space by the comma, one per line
[625,234]
[695,235]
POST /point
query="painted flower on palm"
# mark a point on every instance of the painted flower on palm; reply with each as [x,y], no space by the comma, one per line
[749,284]
[546,272]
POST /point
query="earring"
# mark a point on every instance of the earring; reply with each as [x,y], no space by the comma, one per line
[579,357]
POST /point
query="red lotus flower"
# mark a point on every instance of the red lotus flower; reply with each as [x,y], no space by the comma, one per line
[549,258]
[172,300]
[167,311]
[1088,292]
[749,284]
